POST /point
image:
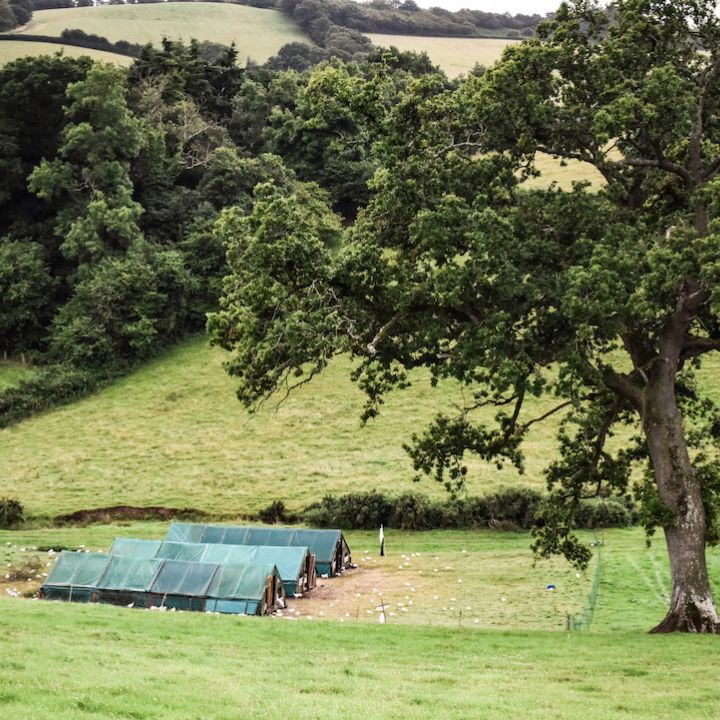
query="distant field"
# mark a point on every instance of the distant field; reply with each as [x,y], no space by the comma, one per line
[565,174]
[454,55]
[12,50]
[257,33]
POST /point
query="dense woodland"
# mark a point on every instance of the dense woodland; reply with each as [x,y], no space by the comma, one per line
[113,180]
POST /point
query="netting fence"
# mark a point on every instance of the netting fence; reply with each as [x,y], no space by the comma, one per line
[583,619]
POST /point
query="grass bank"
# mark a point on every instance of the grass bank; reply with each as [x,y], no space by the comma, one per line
[172,433]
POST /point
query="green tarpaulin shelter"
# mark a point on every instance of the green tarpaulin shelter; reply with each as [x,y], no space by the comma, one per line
[296,565]
[252,589]
[332,554]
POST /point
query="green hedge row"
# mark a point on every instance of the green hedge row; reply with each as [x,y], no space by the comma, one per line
[48,388]
[508,509]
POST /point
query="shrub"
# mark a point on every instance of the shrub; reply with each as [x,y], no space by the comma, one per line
[515,508]
[355,511]
[603,513]
[413,511]
[517,505]
[12,512]
[275,512]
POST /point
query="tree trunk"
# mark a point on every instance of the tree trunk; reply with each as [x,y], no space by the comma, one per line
[692,608]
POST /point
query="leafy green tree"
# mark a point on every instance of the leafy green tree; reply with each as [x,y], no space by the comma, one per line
[229,180]
[23,10]
[25,294]
[32,95]
[124,309]
[90,178]
[606,301]
[7,17]
[279,269]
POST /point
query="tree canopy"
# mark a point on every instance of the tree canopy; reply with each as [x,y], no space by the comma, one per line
[606,300]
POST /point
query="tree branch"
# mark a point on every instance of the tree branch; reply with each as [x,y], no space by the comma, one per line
[382,333]
[694,346]
[546,415]
[660,163]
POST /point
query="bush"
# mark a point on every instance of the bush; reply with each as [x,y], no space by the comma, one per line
[354,511]
[12,513]
[413,511]
[603,513]
[515,508]
[275,512]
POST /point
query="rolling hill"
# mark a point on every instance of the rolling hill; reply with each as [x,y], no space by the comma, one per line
[172,433]
[257,33]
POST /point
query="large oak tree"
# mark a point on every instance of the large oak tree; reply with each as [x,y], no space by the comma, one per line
[607,301]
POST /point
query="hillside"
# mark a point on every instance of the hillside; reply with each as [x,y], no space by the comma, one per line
[12,50]
[173,434]
[257,33]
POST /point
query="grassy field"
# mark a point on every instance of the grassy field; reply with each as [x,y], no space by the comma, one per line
[439,578]
[455,56]
[423,663]
[563,174]
[257,33]
[12,50]
[174,434]
[69,662]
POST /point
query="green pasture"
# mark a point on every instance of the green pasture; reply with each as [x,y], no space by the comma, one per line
[468,579]
[456,56]
[69,662]
[257,33]
[13,49]
[172,433]
[104,661]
